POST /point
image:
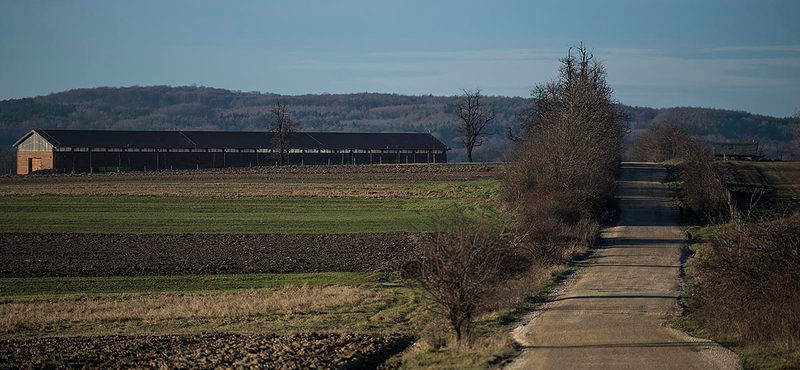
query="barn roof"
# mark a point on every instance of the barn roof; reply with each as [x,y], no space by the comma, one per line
[235,139]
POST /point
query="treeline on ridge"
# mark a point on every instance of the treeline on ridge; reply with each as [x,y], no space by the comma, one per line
[206,108]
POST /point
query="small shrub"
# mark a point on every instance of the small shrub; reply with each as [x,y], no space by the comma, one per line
[461,263]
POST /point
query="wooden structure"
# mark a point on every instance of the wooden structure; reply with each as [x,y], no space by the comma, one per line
[98,151]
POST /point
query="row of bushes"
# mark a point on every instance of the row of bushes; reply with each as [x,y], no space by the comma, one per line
[745,285]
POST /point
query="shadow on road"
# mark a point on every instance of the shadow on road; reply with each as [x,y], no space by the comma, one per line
[633,345]
[614,297]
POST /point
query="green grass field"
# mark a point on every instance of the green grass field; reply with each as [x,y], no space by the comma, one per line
[247,215]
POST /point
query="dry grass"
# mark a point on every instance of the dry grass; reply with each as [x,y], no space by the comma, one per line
[286,300]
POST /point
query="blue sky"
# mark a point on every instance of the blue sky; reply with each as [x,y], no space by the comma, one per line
[742,55]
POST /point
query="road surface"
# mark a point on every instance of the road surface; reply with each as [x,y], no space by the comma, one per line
[614,313]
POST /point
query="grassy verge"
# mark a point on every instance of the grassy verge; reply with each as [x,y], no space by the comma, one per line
[39,287]
[244,215]
[275,311]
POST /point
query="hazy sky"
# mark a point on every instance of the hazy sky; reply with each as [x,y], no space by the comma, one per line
[742,55]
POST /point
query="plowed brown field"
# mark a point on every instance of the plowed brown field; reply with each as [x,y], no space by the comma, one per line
[441,172]
[23,255]
[206,351]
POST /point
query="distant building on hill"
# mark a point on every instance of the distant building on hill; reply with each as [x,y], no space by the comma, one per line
[101,151]
[737,151]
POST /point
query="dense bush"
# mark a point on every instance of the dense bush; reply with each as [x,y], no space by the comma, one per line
[566,161]
[660,143]
[572,141]
[704,183]
[748,284]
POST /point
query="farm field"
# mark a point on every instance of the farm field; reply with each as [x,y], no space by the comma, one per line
[780,179]
[254,187]
[290,352]
[279,266]
[239,215]
[29,255]
[405,172]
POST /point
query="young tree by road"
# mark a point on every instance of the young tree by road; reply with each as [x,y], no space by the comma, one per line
[461,263]
[473,118]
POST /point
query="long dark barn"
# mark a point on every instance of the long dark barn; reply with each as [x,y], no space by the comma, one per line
[100,151]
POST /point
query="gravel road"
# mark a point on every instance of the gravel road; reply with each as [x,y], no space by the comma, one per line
[615,313]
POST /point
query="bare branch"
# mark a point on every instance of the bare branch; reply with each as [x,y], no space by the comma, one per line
[282,128]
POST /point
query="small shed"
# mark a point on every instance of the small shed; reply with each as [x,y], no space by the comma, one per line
[737,150]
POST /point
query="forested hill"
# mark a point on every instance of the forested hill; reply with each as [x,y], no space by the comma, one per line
[203,108]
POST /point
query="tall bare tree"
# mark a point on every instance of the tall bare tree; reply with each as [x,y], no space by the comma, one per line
[796,132]
[282,128]
[473,118]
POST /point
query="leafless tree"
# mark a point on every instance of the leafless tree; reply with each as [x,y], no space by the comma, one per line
[660,142]
[473,118]
[796,133]
[282,128]
[460,264]
[8,162]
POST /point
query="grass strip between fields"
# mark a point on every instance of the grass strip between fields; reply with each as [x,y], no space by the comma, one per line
[42,287]
[234,215]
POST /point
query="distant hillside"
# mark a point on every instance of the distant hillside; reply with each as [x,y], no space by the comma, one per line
[204,108]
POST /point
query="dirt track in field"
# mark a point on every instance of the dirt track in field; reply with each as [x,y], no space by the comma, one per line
[246,188]
[300,351]
[391,181]
[416,172]
[615,313]
[23,255]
